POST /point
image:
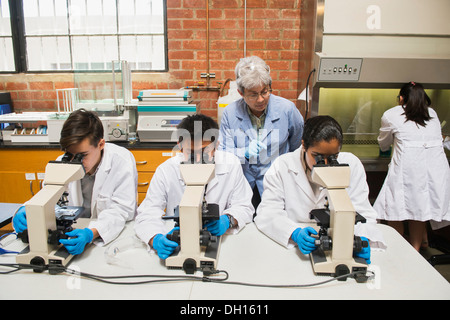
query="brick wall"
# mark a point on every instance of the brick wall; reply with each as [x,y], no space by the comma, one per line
[274,33]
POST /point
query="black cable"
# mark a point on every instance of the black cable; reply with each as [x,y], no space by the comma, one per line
[167,278]
[335,278]
[307,89]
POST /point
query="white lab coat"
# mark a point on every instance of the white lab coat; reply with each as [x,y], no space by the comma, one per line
[288,198]
[114,195]
[417,186]
[229,189]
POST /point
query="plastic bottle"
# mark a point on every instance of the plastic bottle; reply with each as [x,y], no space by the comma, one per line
[222,102]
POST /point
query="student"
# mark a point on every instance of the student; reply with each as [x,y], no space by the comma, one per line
[290,194]
[229,188]
[260,126]
[417,186]
[107,192]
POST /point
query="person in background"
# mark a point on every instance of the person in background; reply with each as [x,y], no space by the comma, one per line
[290,194]
[107,192]
[198,136]
[417,185]
[260,126]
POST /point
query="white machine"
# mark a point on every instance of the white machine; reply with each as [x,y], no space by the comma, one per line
[336,243]
[198,249]
[160,111]
[47,220]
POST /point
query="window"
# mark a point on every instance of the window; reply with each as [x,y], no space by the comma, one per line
[6,43]
[87,35]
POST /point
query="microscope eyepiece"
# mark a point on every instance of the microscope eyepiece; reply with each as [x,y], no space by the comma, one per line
[332,160]
[67,157]
[78,158]
[319,159]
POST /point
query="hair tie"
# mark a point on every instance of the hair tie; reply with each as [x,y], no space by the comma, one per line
[413,83]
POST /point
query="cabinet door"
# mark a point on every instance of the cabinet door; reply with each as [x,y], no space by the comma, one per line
[15,188]
[149,160]
[144,179]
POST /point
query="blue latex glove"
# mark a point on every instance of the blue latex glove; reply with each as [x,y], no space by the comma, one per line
[79,238]
[20,220]
[218,227]
[254,148]
[163,246]
[304,240]
[365,252]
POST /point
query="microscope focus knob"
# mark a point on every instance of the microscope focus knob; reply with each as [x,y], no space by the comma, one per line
[359,244]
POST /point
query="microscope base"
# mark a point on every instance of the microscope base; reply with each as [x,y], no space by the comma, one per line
[324,265]
[205,261]
[58,257]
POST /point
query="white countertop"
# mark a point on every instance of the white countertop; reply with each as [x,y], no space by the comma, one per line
[249,256]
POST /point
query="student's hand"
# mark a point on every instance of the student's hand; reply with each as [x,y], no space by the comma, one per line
[302,236]
[78,239]
[163,246]
[365,252]
[20,220]
[218,227]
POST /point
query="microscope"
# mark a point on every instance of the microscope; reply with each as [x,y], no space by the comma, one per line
[198,249]
[48,217]
[336,241]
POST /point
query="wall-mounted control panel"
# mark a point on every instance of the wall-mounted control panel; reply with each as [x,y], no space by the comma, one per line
[339,69]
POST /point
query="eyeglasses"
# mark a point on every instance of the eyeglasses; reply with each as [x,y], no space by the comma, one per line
[255,96]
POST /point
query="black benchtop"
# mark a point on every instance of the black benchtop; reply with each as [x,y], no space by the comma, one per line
[125,144]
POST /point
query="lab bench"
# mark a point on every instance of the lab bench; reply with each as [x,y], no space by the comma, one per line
[248,256]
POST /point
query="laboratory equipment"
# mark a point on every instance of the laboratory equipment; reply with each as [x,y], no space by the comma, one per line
[110,96]
[48,218]
[198,249]
[359,63]
[336,242]
[358,60]
[47,128]
[159,113]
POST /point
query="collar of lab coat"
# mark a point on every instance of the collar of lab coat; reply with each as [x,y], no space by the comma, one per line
[295,166]
[272,115]
[102,172]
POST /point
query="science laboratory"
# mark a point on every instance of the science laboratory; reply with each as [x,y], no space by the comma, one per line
[225,150]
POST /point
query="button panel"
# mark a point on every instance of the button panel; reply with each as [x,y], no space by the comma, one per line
[339,69]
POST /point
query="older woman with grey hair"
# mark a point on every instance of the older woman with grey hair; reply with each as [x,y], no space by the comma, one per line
[260,126]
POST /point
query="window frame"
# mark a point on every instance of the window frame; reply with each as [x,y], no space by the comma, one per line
[20,50]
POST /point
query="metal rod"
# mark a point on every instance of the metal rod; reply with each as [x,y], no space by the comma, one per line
[207,43]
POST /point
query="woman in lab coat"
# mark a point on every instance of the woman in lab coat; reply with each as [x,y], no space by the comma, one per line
[417,186]
[107,192]
[229,189]
[260,126]
[290,194]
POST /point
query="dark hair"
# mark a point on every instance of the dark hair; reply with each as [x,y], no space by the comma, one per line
[321,128]
[415,103]
[81,124]
[196,122]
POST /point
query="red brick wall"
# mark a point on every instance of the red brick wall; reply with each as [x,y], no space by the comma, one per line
[273,33]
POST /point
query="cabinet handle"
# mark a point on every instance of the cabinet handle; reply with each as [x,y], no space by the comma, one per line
[142,183]
[141,162]
[31,187]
